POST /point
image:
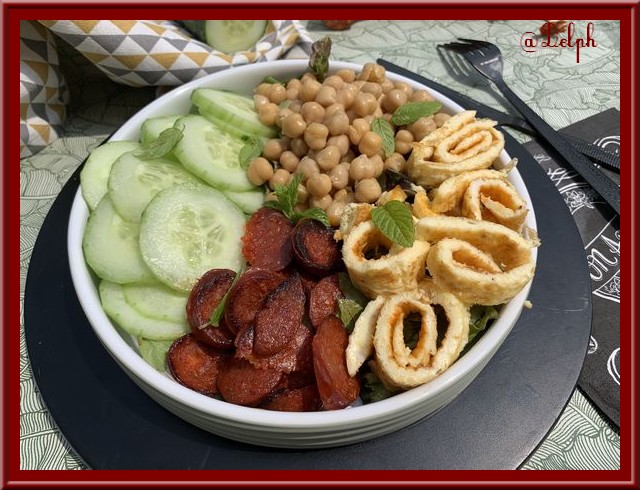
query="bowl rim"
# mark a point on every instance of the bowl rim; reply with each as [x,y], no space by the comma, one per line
[86,290]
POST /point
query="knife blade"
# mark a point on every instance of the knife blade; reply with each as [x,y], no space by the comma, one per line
[596,153]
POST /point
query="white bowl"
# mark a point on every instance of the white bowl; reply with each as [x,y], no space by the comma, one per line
[258,426]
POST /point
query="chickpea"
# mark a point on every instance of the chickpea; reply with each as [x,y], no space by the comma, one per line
[328,157]
[368,190]
[346,95]
[268,114]
[334,212]
[320,202]
[370,143]
[374,89]
[351,114]
[277,93]
[332,110]
[263,89]
[395,162]
[315,136]
[422,127]
[394,99]
[404,138]
[294,105]
[299,147]
[282,114]
[338,124]
[334,81]
[372,72]
[293,125]
[279,177]
[308,167]
[405,87]
[421,95]
[361,168]
[300,207]
[364,104]
[345,195]
[357,130]
[260,171]
[341,141]
[326,96]
[347,75]
[319,185]
[378,165]
[303,194]
[272,149]
[260,101]
[270,196]
[307,75]
[339,176]
[289,161]
[312,112]
[387,86]
[309,90]
[440,118]
[348,158]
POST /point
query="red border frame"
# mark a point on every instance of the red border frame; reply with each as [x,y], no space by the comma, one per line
[626,11]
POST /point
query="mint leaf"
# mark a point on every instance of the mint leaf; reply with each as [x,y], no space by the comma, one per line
[154,352]
[480,316]
[218,311]
[313,213]
[319,58]
[373,389]
[287,195]
[348,311]
[382,127]
[395,222]
[412,111]
[166,141]
[251,150]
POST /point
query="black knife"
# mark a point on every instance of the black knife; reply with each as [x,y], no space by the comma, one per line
[600,155]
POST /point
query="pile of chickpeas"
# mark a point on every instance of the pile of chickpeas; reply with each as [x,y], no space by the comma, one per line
[325,134]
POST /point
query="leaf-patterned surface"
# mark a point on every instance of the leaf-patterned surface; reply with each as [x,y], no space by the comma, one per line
[549,80]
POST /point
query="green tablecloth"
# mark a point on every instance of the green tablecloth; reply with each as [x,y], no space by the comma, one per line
[549,80]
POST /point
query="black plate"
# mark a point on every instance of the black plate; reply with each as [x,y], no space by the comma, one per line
[496,423]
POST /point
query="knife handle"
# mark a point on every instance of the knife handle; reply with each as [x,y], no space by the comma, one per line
[608,189]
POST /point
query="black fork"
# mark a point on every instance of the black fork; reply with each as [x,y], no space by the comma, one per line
[487,59]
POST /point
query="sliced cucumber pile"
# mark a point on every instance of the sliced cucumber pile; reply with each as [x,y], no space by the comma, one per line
[159,219]
[228,36]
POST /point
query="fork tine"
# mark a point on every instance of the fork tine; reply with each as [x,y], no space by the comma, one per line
[458,47]
[476,42]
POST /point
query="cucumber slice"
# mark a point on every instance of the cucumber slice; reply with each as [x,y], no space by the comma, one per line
[228,36]
[131,321]
[232,112]
[186,231]
[95,173]
[248,201]
[211,154]
[157,301]
[111,248]
[133,183]
[152,127]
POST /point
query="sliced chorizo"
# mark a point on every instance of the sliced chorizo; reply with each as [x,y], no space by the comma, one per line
[294,357]
[203,300]
[247,297]
[195,364]
[323,300]
[276,323]
[315,249]
[242,384]
[304,399]
[337,389]
[267,240]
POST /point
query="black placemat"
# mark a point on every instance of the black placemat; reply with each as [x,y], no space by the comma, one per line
[496,423]
[599,227]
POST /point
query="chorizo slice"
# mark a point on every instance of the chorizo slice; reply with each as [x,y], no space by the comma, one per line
[243,384]
[304,399]
[337,389]
[195,364]
[247,297]
[276,323]
[315,249]
[203,299]
[295,357]
[267,240]
[323,300]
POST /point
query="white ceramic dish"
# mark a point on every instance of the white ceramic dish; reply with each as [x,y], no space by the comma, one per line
[258,426]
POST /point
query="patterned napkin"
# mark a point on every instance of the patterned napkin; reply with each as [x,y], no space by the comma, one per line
[600,230]
[137,53]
